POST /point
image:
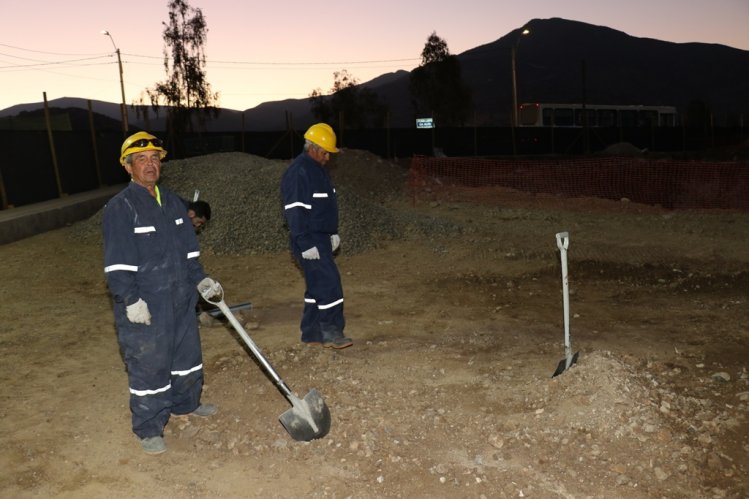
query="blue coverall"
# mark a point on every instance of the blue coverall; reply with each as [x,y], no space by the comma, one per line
[311,212]
[151,253]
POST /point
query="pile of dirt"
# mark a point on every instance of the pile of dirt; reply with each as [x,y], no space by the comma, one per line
[247,216]
[622,149]
[621,429]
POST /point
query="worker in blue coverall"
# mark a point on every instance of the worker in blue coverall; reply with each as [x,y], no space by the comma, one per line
[311,212]
[152,270]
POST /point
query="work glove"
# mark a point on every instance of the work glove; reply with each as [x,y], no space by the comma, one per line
[208,288]
[335,241]
[138,313]
[311,254]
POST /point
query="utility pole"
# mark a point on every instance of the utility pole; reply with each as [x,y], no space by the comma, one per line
[515,78]
[123,106]
[586,124]
[514,123]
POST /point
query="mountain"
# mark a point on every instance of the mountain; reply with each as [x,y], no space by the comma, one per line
[73,111]
[66,115]
[560,61]
[617,68]
[622,69]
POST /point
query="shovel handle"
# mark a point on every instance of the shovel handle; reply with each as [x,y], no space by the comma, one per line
[215,298]
[218,300]
[563,240]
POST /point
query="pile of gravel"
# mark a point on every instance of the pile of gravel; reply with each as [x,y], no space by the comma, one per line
[247,216]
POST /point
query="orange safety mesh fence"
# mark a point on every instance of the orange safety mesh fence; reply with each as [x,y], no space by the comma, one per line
[673,184]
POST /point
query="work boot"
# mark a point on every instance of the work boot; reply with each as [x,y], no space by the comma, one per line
[338,342]
[153,445]
[205,410]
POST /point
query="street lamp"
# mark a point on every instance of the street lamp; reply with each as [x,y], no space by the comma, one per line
[514,78]
[123,106]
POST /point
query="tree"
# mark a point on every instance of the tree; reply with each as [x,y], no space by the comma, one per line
[186,91]
[360,107]
[435,50]
[437,87]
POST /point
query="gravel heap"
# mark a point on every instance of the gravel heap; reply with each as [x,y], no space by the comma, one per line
[247,217]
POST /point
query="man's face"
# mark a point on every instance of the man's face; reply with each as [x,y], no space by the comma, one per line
[145,167]
[319,154]
[198,223]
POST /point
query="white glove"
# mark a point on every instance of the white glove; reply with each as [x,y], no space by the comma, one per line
[208,288]
[311,254]
[138,312]
[335,241]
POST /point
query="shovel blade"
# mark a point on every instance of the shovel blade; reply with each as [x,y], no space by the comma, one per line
[308,418]
[565,364]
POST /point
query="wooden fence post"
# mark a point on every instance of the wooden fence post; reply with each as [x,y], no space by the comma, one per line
[52,147]
[93,142]
[3,194]
[243,129]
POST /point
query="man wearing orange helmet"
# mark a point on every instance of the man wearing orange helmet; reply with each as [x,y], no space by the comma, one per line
[311,212]
[152,269]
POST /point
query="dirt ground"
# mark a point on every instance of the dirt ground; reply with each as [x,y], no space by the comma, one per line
[447,391]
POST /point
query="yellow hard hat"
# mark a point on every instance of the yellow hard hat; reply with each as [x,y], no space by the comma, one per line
[323,135]
[141,141]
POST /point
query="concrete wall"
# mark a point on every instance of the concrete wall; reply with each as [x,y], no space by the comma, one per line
[30,220]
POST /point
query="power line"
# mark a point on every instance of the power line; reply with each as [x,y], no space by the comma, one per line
[208,61]
[83,60]
[53,63]
[330,63]
[67,75]
[42,52]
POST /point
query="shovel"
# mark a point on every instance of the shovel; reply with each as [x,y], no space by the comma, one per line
[217,314]
[308,418]
[563,242]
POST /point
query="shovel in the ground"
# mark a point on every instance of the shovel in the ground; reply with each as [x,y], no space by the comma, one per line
[563,242]
[308,418]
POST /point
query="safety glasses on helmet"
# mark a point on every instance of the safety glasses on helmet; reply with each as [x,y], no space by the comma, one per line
[144,142]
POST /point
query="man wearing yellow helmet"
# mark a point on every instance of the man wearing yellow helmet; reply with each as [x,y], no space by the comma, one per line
[152,269]
[311,212]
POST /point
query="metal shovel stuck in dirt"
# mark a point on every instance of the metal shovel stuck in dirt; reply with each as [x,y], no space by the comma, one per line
[308,418]
[563,242]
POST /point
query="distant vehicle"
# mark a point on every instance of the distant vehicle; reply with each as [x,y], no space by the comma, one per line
[571,115]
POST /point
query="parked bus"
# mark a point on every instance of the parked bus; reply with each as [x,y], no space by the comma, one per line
[572,115]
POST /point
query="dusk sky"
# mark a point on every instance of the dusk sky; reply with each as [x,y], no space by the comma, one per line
[266,51]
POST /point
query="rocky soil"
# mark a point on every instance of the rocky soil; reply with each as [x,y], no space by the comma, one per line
[454,303]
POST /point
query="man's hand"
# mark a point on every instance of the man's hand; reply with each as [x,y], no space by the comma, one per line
[138,313]
[208,288]
[335,241]
[311,254]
